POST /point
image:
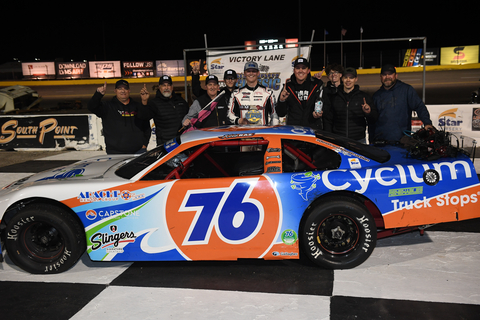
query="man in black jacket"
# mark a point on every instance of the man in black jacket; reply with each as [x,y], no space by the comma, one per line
[217,116]
[124,132]
[299,97]
[229,78]
[350,110]
[167,110]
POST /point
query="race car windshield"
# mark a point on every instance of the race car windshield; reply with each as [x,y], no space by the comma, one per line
[133,167]
[366,150]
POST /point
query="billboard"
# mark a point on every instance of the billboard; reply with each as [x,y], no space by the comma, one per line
[173,68]
[72,70]
[105,69]
[38,70]
[276,66]
[412,58]
[44,131]
[138,69]
[459,55]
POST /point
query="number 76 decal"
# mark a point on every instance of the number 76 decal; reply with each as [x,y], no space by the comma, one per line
[236,217]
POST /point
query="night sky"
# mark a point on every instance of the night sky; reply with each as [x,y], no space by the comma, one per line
[159,31]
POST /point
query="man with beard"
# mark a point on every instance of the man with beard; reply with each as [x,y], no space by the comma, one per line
[167,110]
[124,131]
[218,116]
[253,104]
[300,95]
[395,101]
[350,110]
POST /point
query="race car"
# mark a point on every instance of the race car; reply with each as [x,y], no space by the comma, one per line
[233,192]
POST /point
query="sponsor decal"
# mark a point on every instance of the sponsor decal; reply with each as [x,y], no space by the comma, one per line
[284,254]
[451,120]
[289,237]
[216,64]
[237,135]
[439,201]
[354,163]
[405,191]
[304,182]
[112,241]
[64,174]
[108,195]
[388,176]
[224,219]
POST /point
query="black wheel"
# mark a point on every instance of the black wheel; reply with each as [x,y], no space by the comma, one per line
[339,233]
[43,239]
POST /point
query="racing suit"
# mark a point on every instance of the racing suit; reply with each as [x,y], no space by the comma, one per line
[256,104]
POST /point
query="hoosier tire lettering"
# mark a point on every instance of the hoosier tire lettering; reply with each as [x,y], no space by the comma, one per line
[44,238]
[339,233]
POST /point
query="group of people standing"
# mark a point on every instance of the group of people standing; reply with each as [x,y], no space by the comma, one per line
[339,106]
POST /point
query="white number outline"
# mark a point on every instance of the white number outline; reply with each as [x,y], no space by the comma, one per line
[214,221]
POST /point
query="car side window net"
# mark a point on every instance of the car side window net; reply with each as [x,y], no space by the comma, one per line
[299,156]
[230,158]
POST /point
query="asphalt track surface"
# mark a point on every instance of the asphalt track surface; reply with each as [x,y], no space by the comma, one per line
[434,276]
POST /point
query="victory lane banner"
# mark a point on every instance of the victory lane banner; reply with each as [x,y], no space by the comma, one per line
[276,66]
[55,131]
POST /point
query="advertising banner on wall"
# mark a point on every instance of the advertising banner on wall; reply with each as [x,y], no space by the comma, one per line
[459,55]
[412,57]
[72,70]
[138,69]
[55,131]
[173,68]
[460,120]
[432,57]
[276,66]
[105,69]
[38,70]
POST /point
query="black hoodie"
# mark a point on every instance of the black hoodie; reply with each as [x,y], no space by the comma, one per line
[299,106]
[167,113]
[124,132]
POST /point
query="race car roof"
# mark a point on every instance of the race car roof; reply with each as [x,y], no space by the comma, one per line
[374,153]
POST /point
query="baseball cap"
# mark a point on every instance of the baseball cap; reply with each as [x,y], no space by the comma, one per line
[301,61]
[388,68]
[122,83]
[250,65]
[230,74]
[351,71]
[165,79]
[211,78]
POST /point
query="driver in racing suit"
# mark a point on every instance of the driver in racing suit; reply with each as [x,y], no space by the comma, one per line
[252,104]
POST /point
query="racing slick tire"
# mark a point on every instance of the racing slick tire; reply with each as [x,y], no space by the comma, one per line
[44,238]
[339,233]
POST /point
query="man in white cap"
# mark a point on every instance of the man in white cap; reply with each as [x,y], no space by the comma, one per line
[252,104]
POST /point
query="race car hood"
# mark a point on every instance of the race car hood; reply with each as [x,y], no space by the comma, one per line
[92,168]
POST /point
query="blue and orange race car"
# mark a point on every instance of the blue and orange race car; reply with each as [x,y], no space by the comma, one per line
[233,192]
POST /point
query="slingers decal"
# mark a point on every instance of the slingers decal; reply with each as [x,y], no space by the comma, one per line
[236,217]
